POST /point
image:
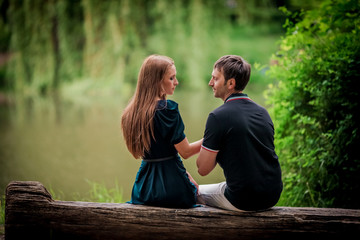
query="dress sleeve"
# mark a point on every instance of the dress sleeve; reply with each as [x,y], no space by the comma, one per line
[170,123]
[178,128]
[212,135]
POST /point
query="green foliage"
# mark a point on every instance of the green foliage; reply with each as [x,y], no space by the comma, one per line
[101,44]
[56,195]
[4,30]
[100,193]
[38,57]
[2,210]
[315,105]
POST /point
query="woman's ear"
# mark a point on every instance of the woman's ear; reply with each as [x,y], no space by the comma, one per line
[162,92]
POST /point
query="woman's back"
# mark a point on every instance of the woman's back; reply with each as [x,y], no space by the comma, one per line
[162,179]
[153,130]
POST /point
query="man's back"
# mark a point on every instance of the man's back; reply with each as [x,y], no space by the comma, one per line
[243,134]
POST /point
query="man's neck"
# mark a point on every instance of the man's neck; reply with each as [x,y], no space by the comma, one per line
[230,93]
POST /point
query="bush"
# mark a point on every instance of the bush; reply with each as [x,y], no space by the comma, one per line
[315,106]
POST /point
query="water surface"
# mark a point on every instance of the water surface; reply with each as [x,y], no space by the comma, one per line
[64,142]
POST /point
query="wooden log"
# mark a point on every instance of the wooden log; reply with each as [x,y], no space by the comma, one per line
[31,213]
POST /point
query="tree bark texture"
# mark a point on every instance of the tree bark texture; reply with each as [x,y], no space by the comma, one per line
[31,213]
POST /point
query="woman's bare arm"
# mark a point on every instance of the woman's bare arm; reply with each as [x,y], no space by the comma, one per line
[187,149]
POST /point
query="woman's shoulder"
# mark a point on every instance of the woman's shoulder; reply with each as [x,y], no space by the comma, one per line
[167,105]
[171,105]
[167,110]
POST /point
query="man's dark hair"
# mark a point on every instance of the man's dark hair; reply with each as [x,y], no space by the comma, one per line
[236,67]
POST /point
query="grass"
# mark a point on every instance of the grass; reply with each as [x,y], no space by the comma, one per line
[100,193]
[2,214]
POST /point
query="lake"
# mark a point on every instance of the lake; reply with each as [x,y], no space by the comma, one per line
[64,142]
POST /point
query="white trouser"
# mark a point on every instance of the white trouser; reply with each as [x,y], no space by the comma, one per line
[213,195]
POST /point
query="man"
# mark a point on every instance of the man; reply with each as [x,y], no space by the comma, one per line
[239,135]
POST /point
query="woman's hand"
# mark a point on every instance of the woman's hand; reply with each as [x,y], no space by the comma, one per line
[194,182]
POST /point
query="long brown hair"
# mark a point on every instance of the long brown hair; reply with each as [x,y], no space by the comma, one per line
[137,119]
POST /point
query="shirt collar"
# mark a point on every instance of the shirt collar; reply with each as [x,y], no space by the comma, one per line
[237,96]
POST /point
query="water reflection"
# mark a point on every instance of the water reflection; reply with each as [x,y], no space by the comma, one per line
[62,142]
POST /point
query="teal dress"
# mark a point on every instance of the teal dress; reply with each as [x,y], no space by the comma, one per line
[162,179]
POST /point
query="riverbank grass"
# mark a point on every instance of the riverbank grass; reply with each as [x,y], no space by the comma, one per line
[2,214]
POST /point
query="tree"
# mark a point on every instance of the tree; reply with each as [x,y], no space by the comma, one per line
[315,105]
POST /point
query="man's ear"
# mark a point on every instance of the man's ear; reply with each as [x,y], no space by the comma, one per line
[231,83]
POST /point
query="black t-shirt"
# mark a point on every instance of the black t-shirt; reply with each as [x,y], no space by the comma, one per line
[242,133]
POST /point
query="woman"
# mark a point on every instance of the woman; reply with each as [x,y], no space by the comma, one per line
[154,131]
